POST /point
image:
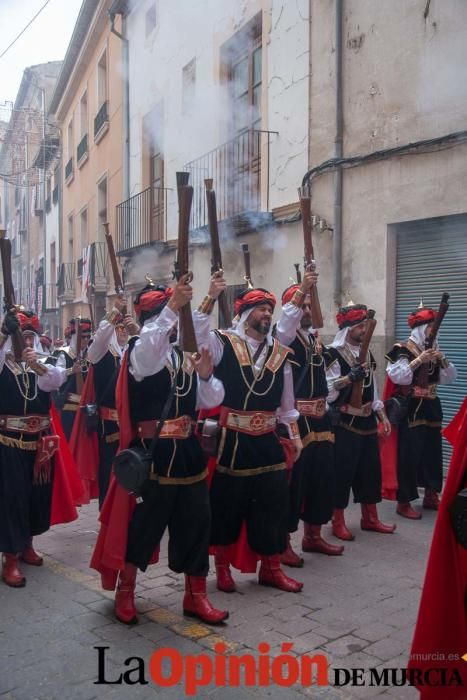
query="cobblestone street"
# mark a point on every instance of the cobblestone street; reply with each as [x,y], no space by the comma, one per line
[358,609]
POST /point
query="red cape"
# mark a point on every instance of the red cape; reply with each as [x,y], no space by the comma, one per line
[84,446]
[388,452]
[442,617]
[67,489]
[109,553]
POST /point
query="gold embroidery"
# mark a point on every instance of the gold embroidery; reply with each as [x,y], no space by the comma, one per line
[429,423]
[251,472]
[355,430]
[22,444]
[324,436]
[179,481]
[278,356]
[114,437]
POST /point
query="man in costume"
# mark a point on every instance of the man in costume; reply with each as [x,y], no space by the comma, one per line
[29,475]
[250,484]
[441,631]
[73,360]
[98,420]
[357,460]
[176,495]
[419,450]
[312,482]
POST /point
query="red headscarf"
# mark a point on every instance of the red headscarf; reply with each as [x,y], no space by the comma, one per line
[84,323]
[253,297]
[28,321]
[152,300]
[421,316]
[351,315]
[288,293]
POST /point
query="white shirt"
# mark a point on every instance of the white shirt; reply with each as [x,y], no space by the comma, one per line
[50,381]
[152,351]
[400,373]
[104,338]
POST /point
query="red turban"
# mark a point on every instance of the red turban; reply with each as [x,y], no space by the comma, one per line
[288,294]
[253,297]
[351,315]
[421,316]
[28,321]
[152,300]
[84,323]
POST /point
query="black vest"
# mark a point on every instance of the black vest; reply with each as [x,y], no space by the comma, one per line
[174,458]
[105,378]
[245,392]
[14,383]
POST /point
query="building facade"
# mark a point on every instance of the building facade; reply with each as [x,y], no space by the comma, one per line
[87,106]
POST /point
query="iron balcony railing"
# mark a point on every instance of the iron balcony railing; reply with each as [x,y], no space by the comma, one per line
[69,169]
[66,281]
[142,219]
[100,118]
[82,148]
[240,170]
[99,266]
[49,297]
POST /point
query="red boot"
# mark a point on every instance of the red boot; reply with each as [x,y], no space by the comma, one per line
[370,520]
[339,528]
[313,542]
[125,610]
[10,571]
[289,557]
[224,578]
[406,510]
[431,499]
[30,556]
[196,602]
[271,574]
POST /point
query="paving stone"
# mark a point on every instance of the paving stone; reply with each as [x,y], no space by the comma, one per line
[344,646]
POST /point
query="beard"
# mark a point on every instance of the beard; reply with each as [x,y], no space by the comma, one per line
[262,326]
[306,321]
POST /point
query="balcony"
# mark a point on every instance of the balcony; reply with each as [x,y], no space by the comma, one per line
[49,298]
[48,205]
[240,170]
[55,194]
[99,267]
[82,151]
[66,282]
[142,219]
[69,171]
[101,122]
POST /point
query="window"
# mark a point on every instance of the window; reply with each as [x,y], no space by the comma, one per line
[70,145]
[83,115]
[150,20]
[101,207]
[53,265]
[242,67]
[153,160]
[188,86]
[102,80]
[231,293]
[83,229]
[49,187]
[70,237]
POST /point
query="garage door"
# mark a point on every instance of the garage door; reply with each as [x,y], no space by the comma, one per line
[432,259]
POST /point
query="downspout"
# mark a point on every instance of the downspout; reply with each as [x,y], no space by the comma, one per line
[338,150]
[126,99]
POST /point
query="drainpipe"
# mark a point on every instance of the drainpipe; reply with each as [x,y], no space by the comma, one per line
[338,152]
[126,97]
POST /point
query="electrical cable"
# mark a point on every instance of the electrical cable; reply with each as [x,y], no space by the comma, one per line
[23,30]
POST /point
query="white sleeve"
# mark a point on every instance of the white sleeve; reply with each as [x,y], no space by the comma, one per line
[52,379]
[399,372]
[150,351]
[448,375]
[205,337]
[287,413]
[288,324]
[209,394]
[377,404]
[332,373]
[101,342]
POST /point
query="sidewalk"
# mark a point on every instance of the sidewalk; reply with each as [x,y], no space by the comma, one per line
[358,609]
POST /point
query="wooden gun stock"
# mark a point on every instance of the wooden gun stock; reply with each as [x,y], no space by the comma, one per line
[422,377]
[118,283]
[185,198]
[216,256]
[17,339]
[357,387]
[309,259]
[246,261]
